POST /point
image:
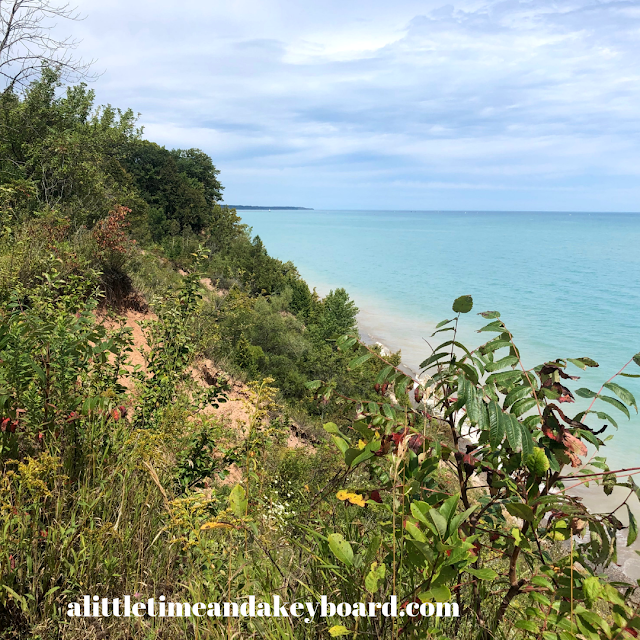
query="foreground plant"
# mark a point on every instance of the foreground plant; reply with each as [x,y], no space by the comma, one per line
[473,490]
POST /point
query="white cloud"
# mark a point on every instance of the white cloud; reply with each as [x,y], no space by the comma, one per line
[374,104]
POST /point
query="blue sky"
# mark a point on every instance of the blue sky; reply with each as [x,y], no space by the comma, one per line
[372,104]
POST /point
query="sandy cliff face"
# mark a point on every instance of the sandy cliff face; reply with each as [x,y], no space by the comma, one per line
[235,413]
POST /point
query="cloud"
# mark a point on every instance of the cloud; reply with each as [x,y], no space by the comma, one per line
[364,104]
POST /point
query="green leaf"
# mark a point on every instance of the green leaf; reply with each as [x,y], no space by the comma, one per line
[341,548]
[463,384]
[522,406]
[512,429]
[636,359]
[469,371]
[482,574]
[472,404]
[456,344]
[505,378]
[585,393]
[542,581]
[388,411]
[400,387]
[592,589]
[16,597]
[583,363]
[527,625]
[440,521]
[617,404]
[313,384]
[595,621]
[463,304]
[382,376]
[531,422]
[496,325]
[528,444]
[433,359]
[415,533]
[483,416]
[443,322]
[605,416]
[456,521]
[519,510]
[448,507]
[440,594]
[346,341]
[338,630]
[238,501]
[419,510]
[489,314]
[331,427]
[503,363]
[360,360]
[518,393]
[622,393]
[633,528]
[341,443]
[496,431]
[39,371]
[495,345]
[441,330]
[353,457]
[374,576]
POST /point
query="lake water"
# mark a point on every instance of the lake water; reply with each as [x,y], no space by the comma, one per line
[566,284]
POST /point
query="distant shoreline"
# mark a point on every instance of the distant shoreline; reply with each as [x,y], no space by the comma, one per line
[242,207]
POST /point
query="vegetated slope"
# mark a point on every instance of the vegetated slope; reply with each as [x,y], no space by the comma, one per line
[157,369]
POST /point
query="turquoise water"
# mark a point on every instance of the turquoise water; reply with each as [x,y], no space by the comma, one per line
[566,284]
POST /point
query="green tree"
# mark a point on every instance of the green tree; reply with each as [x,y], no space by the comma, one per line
[65,149]
[198,166]
[335,316]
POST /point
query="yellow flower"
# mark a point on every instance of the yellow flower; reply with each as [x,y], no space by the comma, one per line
[342,495]
[362,444]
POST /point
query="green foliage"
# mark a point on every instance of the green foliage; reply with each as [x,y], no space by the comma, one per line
[442,545]
[180,188]
[55,366]
[64,150]
[171,351]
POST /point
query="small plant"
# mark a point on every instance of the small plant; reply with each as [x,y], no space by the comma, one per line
[171,351]
[112,240]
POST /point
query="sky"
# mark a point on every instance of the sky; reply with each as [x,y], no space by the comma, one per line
[372,104]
